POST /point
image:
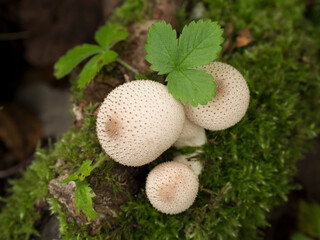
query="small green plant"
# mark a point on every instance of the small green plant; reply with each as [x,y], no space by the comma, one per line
[198,44]
[106,37]
[168,55]
[83,192]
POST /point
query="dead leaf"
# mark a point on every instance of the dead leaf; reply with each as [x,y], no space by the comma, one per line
[243,38]
[305,59]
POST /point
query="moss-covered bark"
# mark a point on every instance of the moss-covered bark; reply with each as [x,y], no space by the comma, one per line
[248,168]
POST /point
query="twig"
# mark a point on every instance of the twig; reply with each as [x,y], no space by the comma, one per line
[206,190]
[218,198]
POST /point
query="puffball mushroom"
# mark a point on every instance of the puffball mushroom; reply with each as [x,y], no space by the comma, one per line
[138,121]
[231,101]
[172,187]
[192,135]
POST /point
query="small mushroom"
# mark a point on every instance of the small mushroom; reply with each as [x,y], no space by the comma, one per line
[231,101]
[172,187]
[192,135]
[138,121]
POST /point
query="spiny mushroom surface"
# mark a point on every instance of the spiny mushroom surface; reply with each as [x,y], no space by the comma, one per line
[231,101]
[192,135]
[138,121]
[172,187]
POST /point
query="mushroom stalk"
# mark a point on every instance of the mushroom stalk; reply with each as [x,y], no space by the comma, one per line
[191,161]
[191,136]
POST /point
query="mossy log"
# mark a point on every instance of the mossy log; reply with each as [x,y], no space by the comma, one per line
[249,168]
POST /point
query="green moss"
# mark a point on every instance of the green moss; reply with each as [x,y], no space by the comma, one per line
[79,145]
[129,11]
[18,215]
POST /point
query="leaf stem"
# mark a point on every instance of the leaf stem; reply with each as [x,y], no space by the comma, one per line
[98,163]
[126,65]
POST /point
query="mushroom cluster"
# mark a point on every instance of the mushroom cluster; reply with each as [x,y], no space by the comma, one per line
[140,120]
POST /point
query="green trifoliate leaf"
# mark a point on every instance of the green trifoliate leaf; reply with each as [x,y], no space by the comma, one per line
[191,85]
[94,65]
[110,34]
[84,171]
[199,43]
[162,47]
[73,57]
[83,200]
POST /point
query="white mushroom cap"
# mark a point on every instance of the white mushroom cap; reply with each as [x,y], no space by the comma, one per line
[138,121]
[192,135]
[229,105]
[172,187]
[191,162]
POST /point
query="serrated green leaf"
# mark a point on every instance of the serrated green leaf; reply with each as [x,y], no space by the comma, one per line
[191,85]
[309,218]
[83,200]
[84,171]
[199,43]
[73,57]
[72,177]
[162,47]
[94,65]
[110,34]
